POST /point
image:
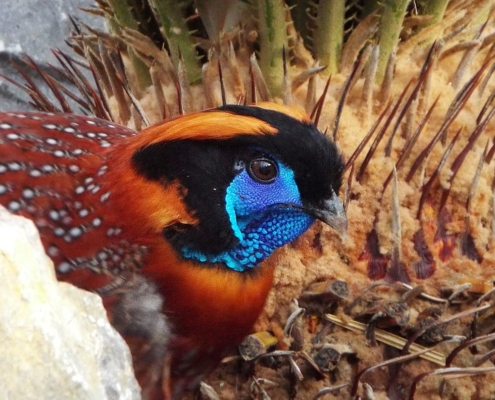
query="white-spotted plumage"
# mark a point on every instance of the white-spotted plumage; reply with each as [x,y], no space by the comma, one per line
[50,172]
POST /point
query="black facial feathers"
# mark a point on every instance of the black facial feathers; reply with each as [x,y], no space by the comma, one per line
[204,170]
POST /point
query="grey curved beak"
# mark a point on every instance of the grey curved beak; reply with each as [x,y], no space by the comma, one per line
[332,213]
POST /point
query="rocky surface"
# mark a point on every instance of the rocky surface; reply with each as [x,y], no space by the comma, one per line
[35,27]
[56,342]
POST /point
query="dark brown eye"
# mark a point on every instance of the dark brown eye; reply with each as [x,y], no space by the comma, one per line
[263,170]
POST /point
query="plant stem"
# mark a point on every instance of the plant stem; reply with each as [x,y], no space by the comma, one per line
[273,40]
[435,8]
[125,18]
[391,24]
[330,34]
[178,36]
[369,7]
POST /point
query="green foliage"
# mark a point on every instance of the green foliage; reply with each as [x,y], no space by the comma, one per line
[324,25]
[173,20]
[123,15]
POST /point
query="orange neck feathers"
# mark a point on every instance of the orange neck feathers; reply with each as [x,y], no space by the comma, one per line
[209,297]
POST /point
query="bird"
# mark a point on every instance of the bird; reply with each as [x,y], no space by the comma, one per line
[174,225]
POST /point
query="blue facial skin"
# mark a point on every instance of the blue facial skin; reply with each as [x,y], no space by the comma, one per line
[258,219]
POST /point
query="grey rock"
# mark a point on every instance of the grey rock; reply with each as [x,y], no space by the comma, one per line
[56,341]
[35,27]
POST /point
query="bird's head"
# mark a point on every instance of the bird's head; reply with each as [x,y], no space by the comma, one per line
[253,177]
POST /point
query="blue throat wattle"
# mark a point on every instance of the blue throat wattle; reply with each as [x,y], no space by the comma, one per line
[259,220]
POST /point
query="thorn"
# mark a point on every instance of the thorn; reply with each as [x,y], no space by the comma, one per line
[158,90]
[486,106]
[345,92]
[209,76]
[222,87]
[467,245]
[100,102]
[425,190]
[310,93]
[261,85]
[179,97]
[348,188]
[110,67]
[454,109]
[75,24]
[362,62]
[262,392]
[397,270]
[465,63]
[102,85]
[380,135]
[410,119]
[357,152]
[388,77]
[137,105]
[237,79]
[41,101]
[487,79]
[286,87]
[484,358]
[51,84]
[24,88]
[306,75]
[253,84]
[411,142]
[369,80]
[413,96]
[476,179]
[316,113]
[456,165]
[186,96]
[435,50]
[358,38]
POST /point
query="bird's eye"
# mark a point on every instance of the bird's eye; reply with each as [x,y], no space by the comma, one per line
[263,170]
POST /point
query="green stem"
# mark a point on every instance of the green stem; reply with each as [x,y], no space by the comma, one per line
[273,40]
[124,16]
[330,34]
[435,8]
[178,36]
[369,7]
[122,12]
[390,27]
